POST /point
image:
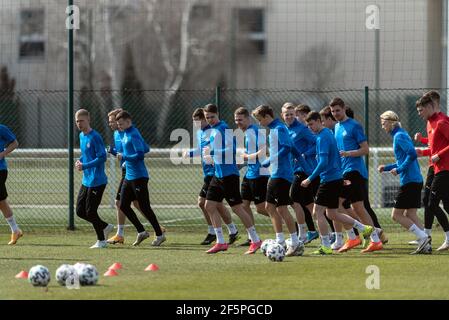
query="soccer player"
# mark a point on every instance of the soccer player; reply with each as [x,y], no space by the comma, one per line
[225,183]
[303,147]
[91,163]
[8,143]
[254,184]
[408,199]
[301,112]
[331,183]
[438,151]
[353,145]
[208,172]
[278,190]
[135,185]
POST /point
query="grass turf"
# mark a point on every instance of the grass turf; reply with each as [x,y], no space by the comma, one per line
[186,272]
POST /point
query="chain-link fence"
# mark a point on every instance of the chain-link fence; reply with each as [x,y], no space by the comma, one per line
[38,171]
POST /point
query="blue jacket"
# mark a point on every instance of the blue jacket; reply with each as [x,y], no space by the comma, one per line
[304,147]
[328,156]
[93,157]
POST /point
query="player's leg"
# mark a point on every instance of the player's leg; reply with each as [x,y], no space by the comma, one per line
[215,196]
[366,203]
[442,187]
[323,227]
[270,207]
[295,195]
[16,233]
[93,200]
[119,237]
[210,237]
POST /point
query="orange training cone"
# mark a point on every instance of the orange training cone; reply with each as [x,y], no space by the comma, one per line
[116,266]
[22,275]
[111,273]
[152,267]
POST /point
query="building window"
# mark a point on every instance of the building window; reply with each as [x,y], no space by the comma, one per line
[32,38]
[201,12]
[251,26]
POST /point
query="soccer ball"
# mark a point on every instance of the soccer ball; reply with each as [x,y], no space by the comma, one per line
[265,244]
[65,272]
[39,276]
[88,275]
[276,252]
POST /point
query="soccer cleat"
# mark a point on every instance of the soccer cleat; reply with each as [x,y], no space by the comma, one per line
[422,244]
[349,244]
[322,250]
[100,244]
[158,240]
[427,249]
[218,247]
[311,235]
[383,237]
[246,243]
[15,236]
[209,239]
[367,232]
[413,242]
[444,246]
[140,237]
[297,250]
[116,239]
[336,245]
[233,237]
[108,230]
[373,246]
[254,246]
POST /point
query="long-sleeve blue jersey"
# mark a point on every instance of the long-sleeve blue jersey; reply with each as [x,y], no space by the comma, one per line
[93,157]
[223,148]
[304,147]
[203,141]
[133,153]
[6,137]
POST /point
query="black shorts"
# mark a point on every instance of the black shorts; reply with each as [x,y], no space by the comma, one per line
[205,187]
[135,190]
[329,193]
[117,196]
[301,195]
[255,189]
[3,177]
[409,196]
[440,188]
[278,192]
[89,199]
[354,192]
[226,188]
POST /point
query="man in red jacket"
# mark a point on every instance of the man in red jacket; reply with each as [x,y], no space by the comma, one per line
[438,151]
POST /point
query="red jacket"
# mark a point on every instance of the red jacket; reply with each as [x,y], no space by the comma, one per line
[438,139]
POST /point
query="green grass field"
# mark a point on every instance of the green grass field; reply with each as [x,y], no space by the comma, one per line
[186,272]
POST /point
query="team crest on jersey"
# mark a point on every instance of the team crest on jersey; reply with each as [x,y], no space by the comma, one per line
[88,145]
[345,133]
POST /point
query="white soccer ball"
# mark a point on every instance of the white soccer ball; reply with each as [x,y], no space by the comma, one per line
[65,272]
[88,275]
[265,244]
[276,252]
[39,276]
[288,242]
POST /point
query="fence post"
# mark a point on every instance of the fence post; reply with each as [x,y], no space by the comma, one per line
[218,98]
[366,108]
[70,125]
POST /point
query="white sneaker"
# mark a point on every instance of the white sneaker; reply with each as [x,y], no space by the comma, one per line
[444,246]
[140,237]
[108,230]
[100,244]
[336,245]
[158,241]
[413,242]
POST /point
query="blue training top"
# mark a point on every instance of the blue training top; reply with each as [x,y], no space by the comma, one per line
[203,141]
[253,145]
[118,148]
[280,151]
[406,159]
[349,135]
[133,153]
[304,147]
[6,137]
[223,148]
[329,161]
[93,157]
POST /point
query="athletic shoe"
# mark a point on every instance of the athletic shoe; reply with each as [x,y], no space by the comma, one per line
[322,250]
[15,236]
[108,230]
[336,245]
[218,247]
[297,250]
[367,232]
[254,247]
[413,242]
[247,243]
[373,246]
[444,246]
[140,237]
[311,235]
[422,243]
[383,237]
[233,237]
[427,249]
[158,240]
[209,239]
[100,244]
[116,239]
[333,237]
[349,244]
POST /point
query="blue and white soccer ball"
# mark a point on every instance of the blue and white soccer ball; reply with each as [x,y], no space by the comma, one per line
[39,276]
[265,244]
[276,252]
[66,272]
[88,275]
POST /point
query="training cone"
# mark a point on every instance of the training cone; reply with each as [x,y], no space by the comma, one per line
[115,266]
[111,273]
[152,267]
[22,275]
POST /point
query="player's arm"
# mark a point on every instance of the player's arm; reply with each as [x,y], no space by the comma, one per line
[10,148]
[100,154]
[443,127]
[360,137]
